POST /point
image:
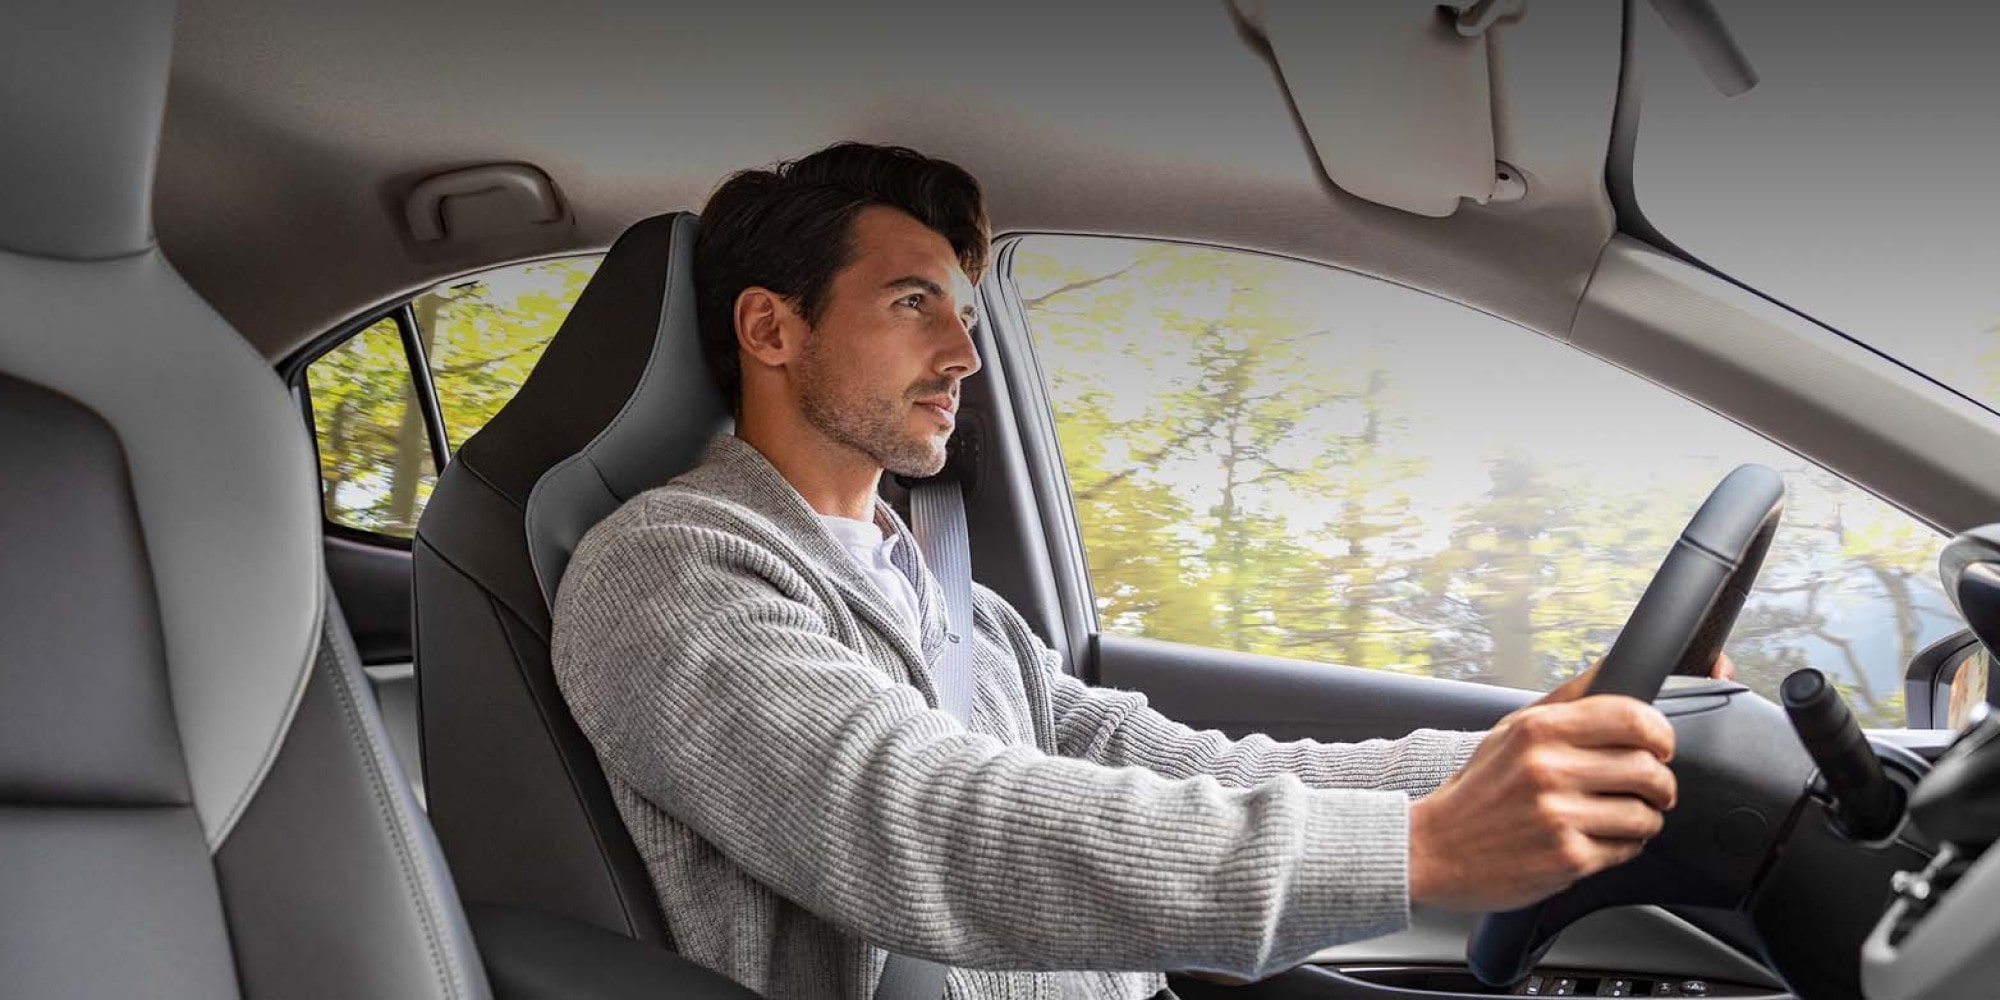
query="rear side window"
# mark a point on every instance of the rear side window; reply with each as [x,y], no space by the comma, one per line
[376,466]
[392,401]
[483,336]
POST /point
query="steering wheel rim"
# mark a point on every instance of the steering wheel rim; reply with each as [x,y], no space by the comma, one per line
[1678,626]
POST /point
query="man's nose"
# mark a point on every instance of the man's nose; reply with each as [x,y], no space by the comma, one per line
[962,358]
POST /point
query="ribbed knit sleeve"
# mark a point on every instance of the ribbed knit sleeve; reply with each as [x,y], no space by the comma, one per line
[1118,728]
[704,670]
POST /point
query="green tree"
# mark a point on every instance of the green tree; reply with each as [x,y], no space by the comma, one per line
[481,337]
[484,336]
[1189,485]
[362,407]
[1242,463]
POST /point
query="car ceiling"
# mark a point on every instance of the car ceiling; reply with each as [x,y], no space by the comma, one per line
[295,129]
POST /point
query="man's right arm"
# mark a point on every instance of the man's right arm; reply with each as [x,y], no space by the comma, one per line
[702,672]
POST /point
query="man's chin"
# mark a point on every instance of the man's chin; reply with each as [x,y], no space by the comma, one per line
[919,461]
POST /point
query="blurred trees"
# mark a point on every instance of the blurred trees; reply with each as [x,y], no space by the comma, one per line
[481,337]
[370,477]
[1247,477]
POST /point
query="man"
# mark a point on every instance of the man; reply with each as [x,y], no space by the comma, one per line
[750,649]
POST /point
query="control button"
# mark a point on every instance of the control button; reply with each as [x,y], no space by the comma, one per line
[1663,989]
[1615,988]
[1563,988]
[1694,988]
[1533,987]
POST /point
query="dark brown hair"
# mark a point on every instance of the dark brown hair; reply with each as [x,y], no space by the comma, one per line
[789,229]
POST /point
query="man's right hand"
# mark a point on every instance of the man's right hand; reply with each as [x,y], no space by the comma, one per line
[1557,791]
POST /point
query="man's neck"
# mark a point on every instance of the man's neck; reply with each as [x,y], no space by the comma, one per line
[831,477]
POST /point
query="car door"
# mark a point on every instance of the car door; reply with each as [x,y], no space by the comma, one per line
[1282,498]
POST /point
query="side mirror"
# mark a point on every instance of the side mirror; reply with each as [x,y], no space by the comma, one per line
[1947,682]
[1967,689]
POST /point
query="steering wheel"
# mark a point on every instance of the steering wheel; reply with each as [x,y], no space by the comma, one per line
[1677,627]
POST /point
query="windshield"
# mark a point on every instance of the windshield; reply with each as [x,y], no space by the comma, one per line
[1855,183]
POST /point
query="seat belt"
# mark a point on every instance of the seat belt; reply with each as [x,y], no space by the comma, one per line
[937,518]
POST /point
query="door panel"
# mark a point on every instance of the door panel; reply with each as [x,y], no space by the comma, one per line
[372,583]
[1241,693]
[395,688]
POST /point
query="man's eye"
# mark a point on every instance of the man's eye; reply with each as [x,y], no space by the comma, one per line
[914,301]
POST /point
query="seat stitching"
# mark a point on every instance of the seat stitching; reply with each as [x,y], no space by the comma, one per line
[481,476]
[442,958]
[269,757]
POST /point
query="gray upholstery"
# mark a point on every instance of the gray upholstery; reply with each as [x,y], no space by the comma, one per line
[95,313]
[223,489]
[84,672]
[381,918]
[620,401]
[81,116]
[109,903]
[196,799]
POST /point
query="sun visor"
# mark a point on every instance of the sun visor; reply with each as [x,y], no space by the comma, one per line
[1394,97]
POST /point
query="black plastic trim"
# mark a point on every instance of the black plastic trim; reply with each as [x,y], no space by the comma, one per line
[1034,420]
[1934,666]
[426,389]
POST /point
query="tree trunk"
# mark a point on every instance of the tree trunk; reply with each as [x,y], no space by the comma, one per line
[334,475]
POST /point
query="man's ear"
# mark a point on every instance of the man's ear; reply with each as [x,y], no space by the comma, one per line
[768,329]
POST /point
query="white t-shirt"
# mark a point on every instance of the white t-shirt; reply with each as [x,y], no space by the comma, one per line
[865,542]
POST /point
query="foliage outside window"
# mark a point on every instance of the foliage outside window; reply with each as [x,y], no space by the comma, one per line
[481,338]
[1273,457]
[376,467]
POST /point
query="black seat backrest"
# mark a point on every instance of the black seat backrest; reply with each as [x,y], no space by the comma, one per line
[621,401]
[196,795]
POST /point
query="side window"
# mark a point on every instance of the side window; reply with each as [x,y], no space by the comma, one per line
[375,460]
[478,339]
[1276,457]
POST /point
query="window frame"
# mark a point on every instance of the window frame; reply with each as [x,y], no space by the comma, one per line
[1035,417]
[292,370]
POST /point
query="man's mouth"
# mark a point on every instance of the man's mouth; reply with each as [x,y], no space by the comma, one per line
[944,407]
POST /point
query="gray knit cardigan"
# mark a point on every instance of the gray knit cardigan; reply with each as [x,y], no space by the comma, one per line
[770,732]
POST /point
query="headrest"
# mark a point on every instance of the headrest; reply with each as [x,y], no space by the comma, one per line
[82,86]
[621,401]
[220,467]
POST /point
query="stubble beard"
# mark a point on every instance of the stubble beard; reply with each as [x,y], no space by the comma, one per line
[874,425]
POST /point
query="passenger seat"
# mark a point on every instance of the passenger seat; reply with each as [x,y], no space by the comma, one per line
[196,796]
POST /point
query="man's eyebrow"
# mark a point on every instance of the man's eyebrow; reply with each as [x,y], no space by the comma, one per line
[917,281]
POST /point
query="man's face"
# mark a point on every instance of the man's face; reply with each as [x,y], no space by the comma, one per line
[879,372]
